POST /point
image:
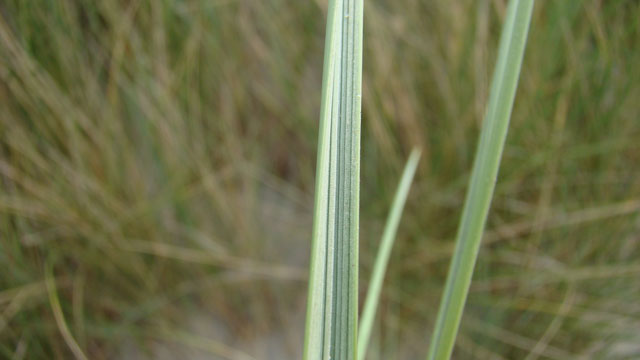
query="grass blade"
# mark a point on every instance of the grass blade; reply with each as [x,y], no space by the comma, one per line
[384,252]
[483,177]
[332,306]
[59,316]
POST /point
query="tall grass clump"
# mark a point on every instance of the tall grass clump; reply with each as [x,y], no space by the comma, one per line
[483,177]
[333,280]
[156,192]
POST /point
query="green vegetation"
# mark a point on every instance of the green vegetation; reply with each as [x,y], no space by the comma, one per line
[483,177]
[384,252]
[332,305]
[157,174]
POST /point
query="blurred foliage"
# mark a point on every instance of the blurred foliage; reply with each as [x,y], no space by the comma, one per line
[159,156]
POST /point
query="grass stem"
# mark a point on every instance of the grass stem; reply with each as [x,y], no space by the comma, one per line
[384,252]
[483,178]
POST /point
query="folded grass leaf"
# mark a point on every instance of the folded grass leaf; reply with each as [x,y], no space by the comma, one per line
[384,252]
[332,305]
[483,177]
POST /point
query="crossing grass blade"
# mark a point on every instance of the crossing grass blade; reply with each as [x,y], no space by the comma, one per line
[384,252]
[483,177]
[332,305]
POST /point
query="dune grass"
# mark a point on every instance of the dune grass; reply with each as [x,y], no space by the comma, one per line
[159,153]
[332,309]
[384,252]
[483,178]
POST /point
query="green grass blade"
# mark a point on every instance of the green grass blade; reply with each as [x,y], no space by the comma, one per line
[483,177]
[384,252]
[332,306]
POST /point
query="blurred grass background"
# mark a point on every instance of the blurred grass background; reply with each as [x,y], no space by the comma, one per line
[157,162]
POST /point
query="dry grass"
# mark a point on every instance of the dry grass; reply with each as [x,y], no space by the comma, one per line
[192,126]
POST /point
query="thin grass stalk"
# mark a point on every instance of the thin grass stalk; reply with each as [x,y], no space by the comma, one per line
[483,177]
[384,252]
[332,305]
[58,315]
